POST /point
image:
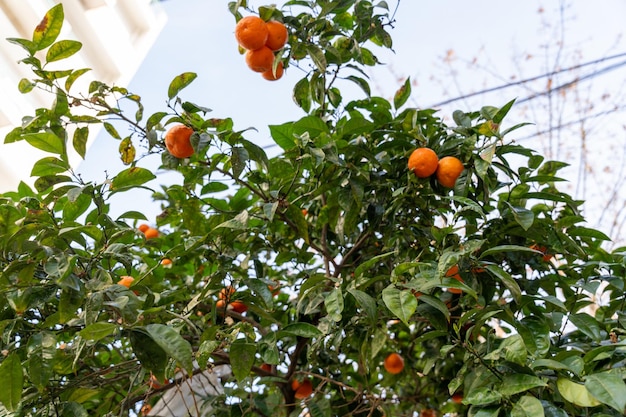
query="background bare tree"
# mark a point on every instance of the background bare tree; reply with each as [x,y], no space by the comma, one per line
[576,101]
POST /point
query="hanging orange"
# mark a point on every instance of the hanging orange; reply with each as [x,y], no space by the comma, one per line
[448,170]
[277,35]
[178,141]
[251,32]
[423,162]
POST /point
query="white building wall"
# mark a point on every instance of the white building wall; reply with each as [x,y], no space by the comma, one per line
[116,36]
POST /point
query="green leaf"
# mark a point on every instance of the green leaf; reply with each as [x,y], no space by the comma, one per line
[576,393]
[172,343]
[69,82]
[317,55]
[366,302]
[506,279]
[361,83]
[334,304]
[527,406]
[242,358]
[283,135]
[62,50]
[587,325]
[367,265]
[29,46]
[79,141]
[97,331]
[25,86]
[46,141]
[403,94]
[48,166]
[302,95]
[111,130]
[401,303]
[238,158]
[131,177]
[149,353]
[179,82]
[608,388]
[12,378]
[522,216]
[506,248]
[295,216]
[482,396]
[239,222]
[49,28]
[516,383]
[301,329]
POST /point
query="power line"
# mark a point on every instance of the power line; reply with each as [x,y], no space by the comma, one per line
[535,78]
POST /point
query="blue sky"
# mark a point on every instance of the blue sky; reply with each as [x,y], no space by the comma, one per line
[435,44]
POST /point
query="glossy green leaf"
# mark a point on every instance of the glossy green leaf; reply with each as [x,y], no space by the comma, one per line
[63,49]
[46,141]
[98,331]
[12,378]
[334,304]
[79,140]
[242,358]
[179,82]
[527,406]
[403,94]
[506,279]
[588,325]
[301,329]
[401,303]
[608,388]
[576,393]
[366,302]
[131,177]
[49,28]
[516,383]
[48,166]
[172,343]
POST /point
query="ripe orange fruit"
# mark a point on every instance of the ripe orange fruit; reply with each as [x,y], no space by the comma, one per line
[145,409]
[126,281]
[266,367]
[457,398]
[423,162]
[177,141]
[251,32]
[154,383]
[394,363]
[238,306]
[225,293]
[453,272]
[277,35]
[143,227]
[448,170]
[303,389]
[166,262]
[546,256]
[260,60]
[220,305]
[269,74]
[151,233]
[428,412]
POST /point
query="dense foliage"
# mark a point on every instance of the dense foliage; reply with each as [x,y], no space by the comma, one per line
[340,254]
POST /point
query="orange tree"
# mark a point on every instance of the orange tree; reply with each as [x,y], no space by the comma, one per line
[303,272]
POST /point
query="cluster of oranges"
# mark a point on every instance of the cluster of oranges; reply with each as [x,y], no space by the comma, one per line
[148,232]
[261,39]
[225,301]
[424,162]
[302,389]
